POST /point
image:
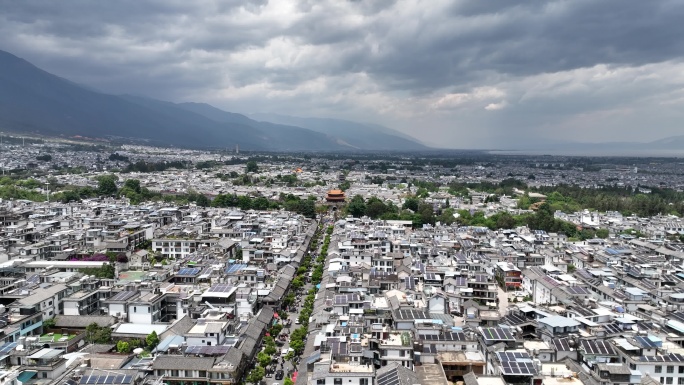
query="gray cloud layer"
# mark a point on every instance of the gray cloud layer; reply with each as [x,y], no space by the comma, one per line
[454,73]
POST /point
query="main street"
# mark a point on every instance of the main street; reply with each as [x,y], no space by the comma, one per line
[293,315]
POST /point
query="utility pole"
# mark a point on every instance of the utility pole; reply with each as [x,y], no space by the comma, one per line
[47,191]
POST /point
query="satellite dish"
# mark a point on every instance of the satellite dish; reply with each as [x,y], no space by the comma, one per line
[138,350]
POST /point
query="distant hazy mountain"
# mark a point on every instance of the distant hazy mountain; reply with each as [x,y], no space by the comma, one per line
[669,146]
[276,133]
[669,143]
[35,101]
[358,135]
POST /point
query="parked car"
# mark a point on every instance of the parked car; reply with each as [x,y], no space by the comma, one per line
[279,375]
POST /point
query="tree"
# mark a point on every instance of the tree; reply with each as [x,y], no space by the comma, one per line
[270,349]
[152,340]
[48,323]
[106,185]
[70,196]
[505,220]
[297,283]
[244,202]
[256,375]
[132,184]
[602,233]
[123,347]
[411,203]
[447,216]
[98,334]
[426,213]
[375,207]
[288,381]
[307,208]
[357,206]
[106,271]
[202,200]
[252,166]
[297,345]
[263,359]
[277,328]
[289,299]
[260,203]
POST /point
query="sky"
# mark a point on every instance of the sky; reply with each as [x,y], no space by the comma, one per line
[458,74]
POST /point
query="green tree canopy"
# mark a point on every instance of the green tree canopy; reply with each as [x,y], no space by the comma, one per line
[106,185]
[123,347]
[252,166]
[202,200]
[357,206]
[263,359]
[152,340]
[132,184]
[411,203]
[256,375]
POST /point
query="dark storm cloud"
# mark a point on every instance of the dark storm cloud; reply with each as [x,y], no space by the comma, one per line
[406,61]
[527,39]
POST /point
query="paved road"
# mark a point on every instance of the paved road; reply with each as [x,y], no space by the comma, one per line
[503,301]
[294,315]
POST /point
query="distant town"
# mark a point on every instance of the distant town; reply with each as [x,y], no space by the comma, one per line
[128,264]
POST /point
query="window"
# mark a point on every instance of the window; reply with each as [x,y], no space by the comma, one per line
[320,381]
[659,369]
[202,373]
[668,380]
[174,373]
[680,381]
[681,369]
[337,381]
[135,309]
[670,369]
[363,381]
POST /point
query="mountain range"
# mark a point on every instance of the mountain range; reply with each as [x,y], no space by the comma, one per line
[354,134]
[669,146]
[34,101]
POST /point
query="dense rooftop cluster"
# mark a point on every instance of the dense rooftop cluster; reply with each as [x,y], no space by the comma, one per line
[101,290]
